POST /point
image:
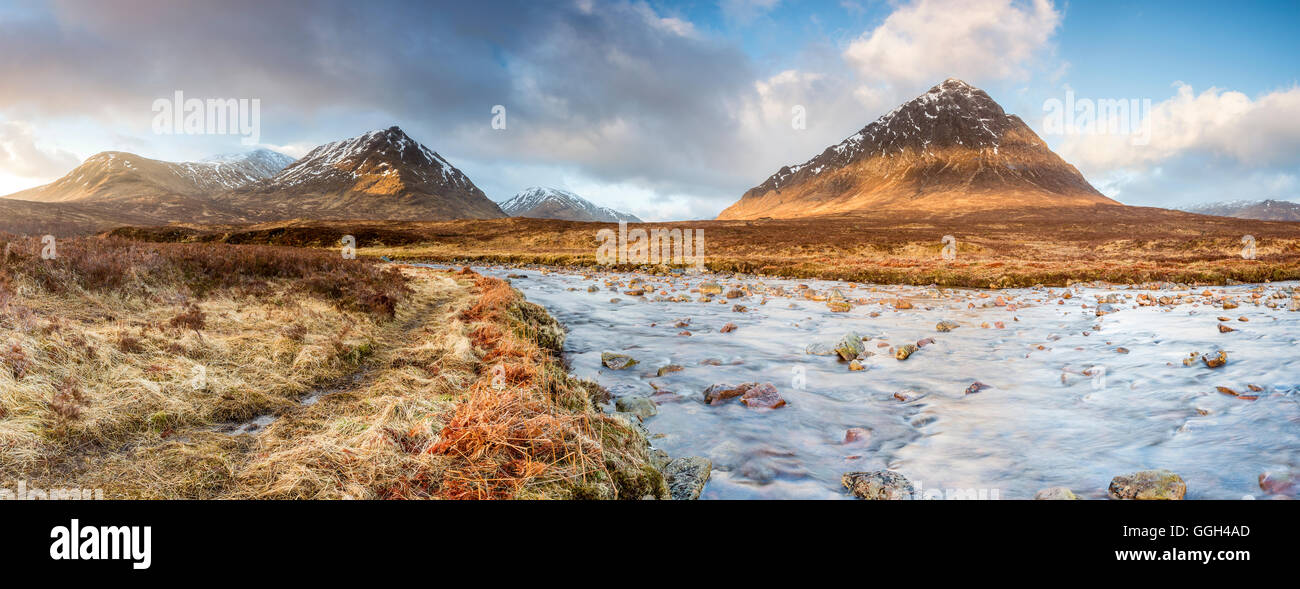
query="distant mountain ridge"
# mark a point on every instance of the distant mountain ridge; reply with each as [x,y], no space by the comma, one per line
[116,175]
[1263,210]
[540,202]
[952,148]
[381,175]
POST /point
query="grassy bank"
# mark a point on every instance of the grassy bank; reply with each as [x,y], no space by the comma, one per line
[128,366]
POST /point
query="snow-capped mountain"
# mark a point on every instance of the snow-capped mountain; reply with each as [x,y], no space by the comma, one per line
[118,175]
[553,203]
[382,174]
[1263,210]
[952,147]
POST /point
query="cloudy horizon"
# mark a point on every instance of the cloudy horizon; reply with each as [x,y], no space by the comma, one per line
[666,110]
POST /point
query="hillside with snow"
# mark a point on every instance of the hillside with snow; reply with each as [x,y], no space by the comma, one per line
[540,202]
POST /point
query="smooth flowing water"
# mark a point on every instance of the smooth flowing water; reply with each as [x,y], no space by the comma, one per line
[1073,398]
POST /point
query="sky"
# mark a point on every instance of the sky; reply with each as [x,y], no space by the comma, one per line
[664,109]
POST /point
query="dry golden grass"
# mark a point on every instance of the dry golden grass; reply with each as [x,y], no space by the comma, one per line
[133,385]
[1022,247]
[475,407]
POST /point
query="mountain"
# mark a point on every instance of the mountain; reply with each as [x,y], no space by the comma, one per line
[117,175]
[1263,210]
[115,188]
[950,149]
[553,203]
[381,175]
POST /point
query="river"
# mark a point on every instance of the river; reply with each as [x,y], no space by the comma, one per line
[1070,398]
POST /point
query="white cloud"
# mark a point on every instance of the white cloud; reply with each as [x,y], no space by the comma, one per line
[976,40]
[22,156]
[1226,124]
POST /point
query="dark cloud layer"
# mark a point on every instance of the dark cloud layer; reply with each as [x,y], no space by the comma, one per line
[614,88]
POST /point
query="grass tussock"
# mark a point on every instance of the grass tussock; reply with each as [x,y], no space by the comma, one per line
[476,406]
[120,362]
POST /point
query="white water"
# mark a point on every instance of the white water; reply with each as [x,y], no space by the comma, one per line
[1031,430]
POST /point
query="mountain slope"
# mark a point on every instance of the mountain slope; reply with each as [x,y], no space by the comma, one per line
[1263,210]
[540,202]
[381,175]
[117,175]
[952,148]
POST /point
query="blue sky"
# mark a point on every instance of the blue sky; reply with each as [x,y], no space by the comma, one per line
[668,110]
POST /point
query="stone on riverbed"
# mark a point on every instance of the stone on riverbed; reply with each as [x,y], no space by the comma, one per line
[718,393]
[640,406]
[839,306]
[1148,484]
[663,370]
[728,328]
[904,351]
[1286,484]
[710,288]
[878,485]
[687,476]
[850,346]
[616,361]
[1056,494]
[763,396]
[946,325]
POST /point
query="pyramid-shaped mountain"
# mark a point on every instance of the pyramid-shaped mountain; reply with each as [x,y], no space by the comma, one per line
[950,149]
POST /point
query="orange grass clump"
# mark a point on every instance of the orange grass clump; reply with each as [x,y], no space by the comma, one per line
[507,433]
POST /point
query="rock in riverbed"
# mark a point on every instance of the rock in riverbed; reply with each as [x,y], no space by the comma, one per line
[946,325]
[1280,483]
[904,351]
[687,476]
[878,485]
[1148,484]
[763,396]
[616,361]
[640,406]
[720,392]
[1056,493]
[850,346]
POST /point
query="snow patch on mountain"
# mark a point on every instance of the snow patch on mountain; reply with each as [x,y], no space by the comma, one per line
[555,203]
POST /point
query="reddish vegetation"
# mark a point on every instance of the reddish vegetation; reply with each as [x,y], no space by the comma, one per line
[507,433]
[116,264]
[1005,248]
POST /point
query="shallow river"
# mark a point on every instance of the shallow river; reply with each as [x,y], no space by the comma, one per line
[1073,398]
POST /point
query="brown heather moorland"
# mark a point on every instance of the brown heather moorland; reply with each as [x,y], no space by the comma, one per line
[218,371]
[995,248]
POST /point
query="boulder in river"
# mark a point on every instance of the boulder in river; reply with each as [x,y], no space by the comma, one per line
[717,393]
[946,325]
[710,288]
[839,306]
[687,476]
[908,395]
[1056,493]
[1216,360]
[728,328]
[1148,484]
[856,435]
[762,396]
[904,351]
[616,361]
[850,346]
[663,370]
[878,485]
[1286,484]
[640,406]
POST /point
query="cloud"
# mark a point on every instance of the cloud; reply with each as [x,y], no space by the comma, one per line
[21,156]
[1226,124]
[975,40]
